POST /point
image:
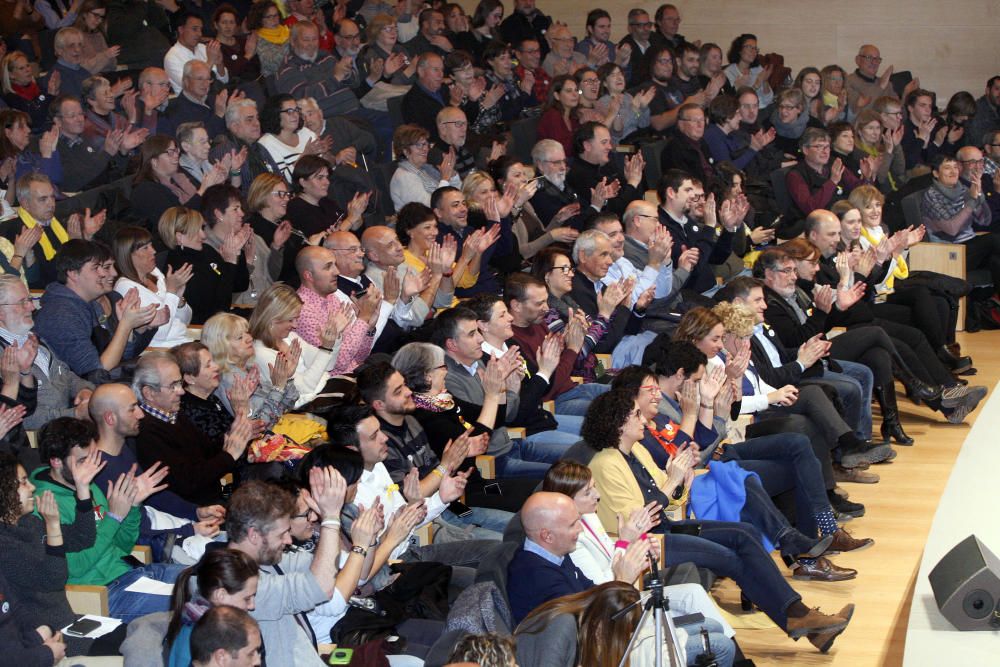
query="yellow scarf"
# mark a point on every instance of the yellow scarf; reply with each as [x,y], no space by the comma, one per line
[901,270]
[277,35]
[54,227]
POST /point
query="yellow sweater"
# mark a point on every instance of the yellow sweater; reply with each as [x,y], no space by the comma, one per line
[620,492]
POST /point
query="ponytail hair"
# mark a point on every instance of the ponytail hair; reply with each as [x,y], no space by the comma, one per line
[218,568]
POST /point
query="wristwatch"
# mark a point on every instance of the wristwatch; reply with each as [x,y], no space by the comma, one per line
[359,550]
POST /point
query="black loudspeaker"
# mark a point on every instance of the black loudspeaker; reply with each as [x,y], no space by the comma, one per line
[966,585]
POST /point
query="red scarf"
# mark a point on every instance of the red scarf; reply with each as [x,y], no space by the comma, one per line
[665,436]
[29,92]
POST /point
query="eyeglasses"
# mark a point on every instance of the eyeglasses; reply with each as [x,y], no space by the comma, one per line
[696,121]
[566,270]
[788,107]
[646,215]
[980,161]
[21,302]
[749,47]
[750,106]
[356,249]
[97,14]
[651,388]
[819,147]
[282,194]
[563,161]
[456,123]
[645,24]
[788,270]
[350,38]
[423,143]
[664,61]
[173,386]
[295,110]
[306,514]
[173,152]
[894,113]
[871,59]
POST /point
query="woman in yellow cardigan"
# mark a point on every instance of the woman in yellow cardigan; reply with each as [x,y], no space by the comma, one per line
[628,479]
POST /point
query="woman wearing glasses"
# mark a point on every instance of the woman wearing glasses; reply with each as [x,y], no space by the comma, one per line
[383,44]
[159,183]
[264,20]
[285,137]
[415,179]
[268,203]
[745,69]
[97,56]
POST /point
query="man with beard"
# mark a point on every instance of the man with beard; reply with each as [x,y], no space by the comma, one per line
[347,45]
[665,105]
[431,38]
[594,172]
[116,412]
[553,195]
[676,193]
[382,387]
[291,584]
[638,42]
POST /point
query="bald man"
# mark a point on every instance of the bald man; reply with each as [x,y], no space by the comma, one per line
[321,300]
[452,131]
[116,412]
[864,85]
[542,569]
[384,253]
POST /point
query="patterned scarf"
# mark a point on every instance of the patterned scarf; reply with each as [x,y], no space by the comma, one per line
[440,403]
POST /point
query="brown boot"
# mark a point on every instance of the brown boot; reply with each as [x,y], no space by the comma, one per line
[824,640]
[813,623]
[822,570]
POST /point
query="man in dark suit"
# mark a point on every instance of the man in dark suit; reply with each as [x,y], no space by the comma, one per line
[687,149]
[675,191]
[427,96]
[192,105]
[542,568]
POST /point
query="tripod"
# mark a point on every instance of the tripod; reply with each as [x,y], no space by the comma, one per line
[654,602]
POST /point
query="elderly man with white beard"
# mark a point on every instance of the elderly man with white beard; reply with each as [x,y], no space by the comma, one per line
[549,158]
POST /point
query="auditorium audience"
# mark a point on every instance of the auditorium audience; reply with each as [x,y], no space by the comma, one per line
[419,290]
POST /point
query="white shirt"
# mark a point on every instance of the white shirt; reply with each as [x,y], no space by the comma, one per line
[174,332]
[286,156]
[376,483]
[178,56]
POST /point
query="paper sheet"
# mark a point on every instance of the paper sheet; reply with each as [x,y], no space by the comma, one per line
[107,625]
[150,587]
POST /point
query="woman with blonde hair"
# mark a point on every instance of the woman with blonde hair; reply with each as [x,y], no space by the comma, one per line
[214,272]
[135,259]
[22,92]
[228,338]
[272,327]
[267,201]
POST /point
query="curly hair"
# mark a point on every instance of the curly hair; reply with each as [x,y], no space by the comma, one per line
[737,318]
[606,417]
[488,649]
[10,504]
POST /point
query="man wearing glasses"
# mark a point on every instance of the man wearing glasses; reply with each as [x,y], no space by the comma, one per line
[688,150]
[814,183]
[864,85]
[638,41]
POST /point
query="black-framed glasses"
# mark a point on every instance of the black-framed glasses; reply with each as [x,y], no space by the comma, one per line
[20,302]
[643,24]
[295,110]
[871,59]
[282,194]
[566,270]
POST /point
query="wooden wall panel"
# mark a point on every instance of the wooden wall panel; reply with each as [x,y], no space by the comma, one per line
[951,45]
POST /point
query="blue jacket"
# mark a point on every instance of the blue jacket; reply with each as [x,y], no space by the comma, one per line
[532,580]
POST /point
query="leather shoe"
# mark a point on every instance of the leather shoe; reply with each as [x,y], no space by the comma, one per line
[813,622]
[824,640]
[855,475]
[844,541]
[822,570]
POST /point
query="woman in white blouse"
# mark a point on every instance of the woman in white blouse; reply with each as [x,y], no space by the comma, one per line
[285,138]
[135,259]
[271,326]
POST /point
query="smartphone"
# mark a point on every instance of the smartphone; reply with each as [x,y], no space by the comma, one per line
[341,656]
[83,627]
[360,294]
[689,619]
[460,509]
[686,529]
[493,489]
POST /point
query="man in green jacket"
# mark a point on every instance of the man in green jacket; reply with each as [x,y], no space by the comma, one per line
[65,443]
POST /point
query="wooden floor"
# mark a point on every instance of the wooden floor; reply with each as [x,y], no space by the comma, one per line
[900,509]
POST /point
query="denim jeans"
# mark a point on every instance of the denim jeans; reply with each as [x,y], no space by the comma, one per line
[722,646]
[733,550]
[577,400]
[854,386]
[786,461]
[128,606]
[549,446]
[486,524]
